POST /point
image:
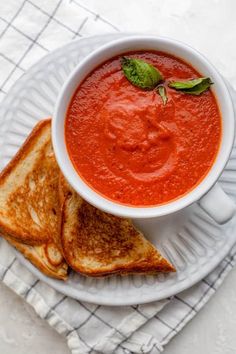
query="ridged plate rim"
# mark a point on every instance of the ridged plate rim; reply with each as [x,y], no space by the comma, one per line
[113,298]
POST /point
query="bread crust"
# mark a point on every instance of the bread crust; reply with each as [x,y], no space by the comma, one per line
[59,272]
[24,149]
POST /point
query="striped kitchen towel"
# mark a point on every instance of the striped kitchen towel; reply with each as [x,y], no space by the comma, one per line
[90,328]
[29,29]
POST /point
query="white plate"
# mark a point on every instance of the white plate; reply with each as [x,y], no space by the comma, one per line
[193,242]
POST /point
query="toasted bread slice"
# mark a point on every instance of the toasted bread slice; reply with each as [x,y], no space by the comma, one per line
[29,190]
[29,202]
[95,243]
[47,258]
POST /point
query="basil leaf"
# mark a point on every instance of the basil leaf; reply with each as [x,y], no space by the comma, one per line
[140,73]
[179,85]
[192,87]
[161,90]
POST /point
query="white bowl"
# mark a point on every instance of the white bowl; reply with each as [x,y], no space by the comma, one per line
[198,61]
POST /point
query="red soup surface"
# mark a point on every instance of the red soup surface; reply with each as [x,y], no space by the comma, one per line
[130,147]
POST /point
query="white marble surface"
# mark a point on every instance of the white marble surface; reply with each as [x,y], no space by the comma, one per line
[211,331]
[210,27]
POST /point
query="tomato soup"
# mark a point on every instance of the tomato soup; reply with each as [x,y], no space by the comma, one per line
[130,147]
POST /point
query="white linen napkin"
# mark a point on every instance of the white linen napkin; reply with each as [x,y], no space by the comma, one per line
[91,328]
[29,29]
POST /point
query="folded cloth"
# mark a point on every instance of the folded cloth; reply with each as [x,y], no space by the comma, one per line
[29,29]
[90,328]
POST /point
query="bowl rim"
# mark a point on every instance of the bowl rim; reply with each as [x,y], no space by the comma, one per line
[64,98]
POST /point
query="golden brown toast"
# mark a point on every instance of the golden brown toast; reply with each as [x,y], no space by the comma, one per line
[29,190]
[29,202]
[95,243]
[47,258]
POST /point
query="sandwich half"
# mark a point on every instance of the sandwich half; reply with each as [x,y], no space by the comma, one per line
[95,243]
[29,202]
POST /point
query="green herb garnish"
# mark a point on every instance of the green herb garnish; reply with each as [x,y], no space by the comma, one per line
[161,90]
[147,77]
[140,73]
[192,87]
